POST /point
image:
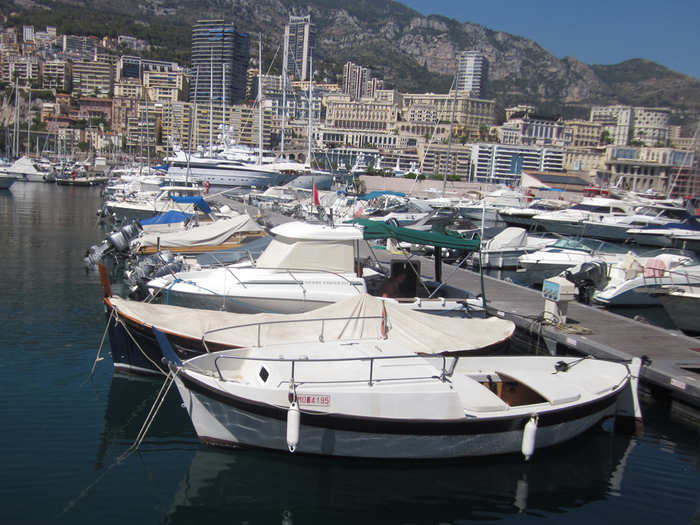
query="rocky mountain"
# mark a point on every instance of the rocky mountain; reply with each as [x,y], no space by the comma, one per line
[410,51]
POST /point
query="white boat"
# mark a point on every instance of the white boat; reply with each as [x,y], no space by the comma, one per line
[400,210]
[488,206]
[150,203]
[615,227]
[31,170]
[504,249]
[567,252]
[581,218]
[304,267]
[634,280]
[372,397]
[6,181]
[518,216]
[682,304]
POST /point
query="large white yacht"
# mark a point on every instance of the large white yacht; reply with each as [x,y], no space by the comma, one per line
[582,218]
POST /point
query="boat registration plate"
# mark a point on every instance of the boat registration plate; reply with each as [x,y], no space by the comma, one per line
[322,400]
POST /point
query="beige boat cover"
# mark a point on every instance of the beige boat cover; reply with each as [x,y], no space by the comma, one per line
[210,234]
[415,331]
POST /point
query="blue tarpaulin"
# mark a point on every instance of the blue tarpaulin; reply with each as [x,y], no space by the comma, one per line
[169,217]
[199,202]
[374,194]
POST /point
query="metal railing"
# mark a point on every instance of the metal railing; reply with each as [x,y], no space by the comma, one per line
[259,325]
[370,379]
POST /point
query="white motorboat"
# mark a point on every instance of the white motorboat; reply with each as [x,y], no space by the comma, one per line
[150,203]
[518,216]
[568,252]
[304,267]
[6,181]
[685,234]
[194,332]
[581,218]
[371,397]
[402,211]
[31,170]
[488,206]
[504,249]
[615,227]
[634,280]
[682,304]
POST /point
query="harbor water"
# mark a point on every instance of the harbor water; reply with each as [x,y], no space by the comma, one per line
[66,434]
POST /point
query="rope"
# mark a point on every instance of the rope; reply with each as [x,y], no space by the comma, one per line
[160,398]
[104,335]
[126,329]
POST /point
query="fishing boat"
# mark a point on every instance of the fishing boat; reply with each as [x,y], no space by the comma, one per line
[370,397]
[193,332]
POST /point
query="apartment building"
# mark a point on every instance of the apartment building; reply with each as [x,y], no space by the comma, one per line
[92,78]
[472,73]
[628,124]
[55,74]
[503,164]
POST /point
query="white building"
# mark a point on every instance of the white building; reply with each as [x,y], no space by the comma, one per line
[500,163]
[626,124]
[300,39]
[472,73]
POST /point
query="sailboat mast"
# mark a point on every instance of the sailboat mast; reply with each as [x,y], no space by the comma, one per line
[285,58]
[29,122]
[311,76]
[211,100]
[260,99]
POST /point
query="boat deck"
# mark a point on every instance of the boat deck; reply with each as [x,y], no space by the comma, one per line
[675,357]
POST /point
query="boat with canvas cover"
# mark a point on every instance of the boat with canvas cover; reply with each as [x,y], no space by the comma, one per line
[304,267]
[193,332]
[369,397]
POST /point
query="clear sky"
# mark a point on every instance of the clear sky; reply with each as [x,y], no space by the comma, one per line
[594,31]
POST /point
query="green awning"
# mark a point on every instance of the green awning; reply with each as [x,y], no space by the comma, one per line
[382,230]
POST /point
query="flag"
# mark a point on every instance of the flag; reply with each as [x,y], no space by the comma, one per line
[316,201]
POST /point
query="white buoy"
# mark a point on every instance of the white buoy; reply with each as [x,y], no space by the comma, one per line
[529,436]
[293,423]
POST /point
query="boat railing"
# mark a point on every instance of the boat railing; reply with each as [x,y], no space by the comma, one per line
[445,370]
[306,270]
[259,326]
[680,277]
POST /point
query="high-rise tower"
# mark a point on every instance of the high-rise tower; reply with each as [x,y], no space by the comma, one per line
[472,73]
[219,62]
[300,39]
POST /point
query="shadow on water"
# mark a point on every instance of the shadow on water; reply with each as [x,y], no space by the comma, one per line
[267,487]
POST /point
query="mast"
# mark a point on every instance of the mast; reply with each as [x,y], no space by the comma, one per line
[285,58]
[449,140]
[311,77]
[260,98]
[223,100]
[211,100]
[15,129]
[29,122]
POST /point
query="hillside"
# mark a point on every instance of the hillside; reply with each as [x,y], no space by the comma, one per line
[410,51]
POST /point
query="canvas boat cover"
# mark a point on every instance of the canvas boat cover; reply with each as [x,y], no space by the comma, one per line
[416,332]
[381,230]
[196,200]
[211,234]
[170,217]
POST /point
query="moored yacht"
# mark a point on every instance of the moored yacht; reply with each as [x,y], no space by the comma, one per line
[581,218]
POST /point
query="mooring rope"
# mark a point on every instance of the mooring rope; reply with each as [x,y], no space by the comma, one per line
[99,350]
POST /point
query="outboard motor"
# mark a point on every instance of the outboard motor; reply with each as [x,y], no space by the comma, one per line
[121,238]
[587,277]
[148,268]
[96,253]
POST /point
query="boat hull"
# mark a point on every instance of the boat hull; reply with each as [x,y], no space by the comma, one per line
[227,420]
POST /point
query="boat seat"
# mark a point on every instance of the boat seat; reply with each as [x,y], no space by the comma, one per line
[475,396]
[555,388]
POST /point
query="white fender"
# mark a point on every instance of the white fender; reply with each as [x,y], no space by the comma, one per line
[293,424]
[529,437]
